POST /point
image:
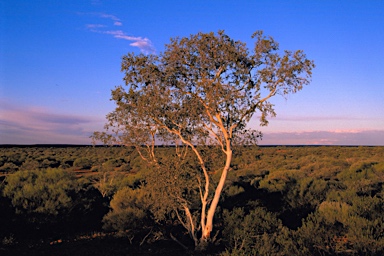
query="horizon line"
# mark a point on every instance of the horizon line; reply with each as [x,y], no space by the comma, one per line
[117,145]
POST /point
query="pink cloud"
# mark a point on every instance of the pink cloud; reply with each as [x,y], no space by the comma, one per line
[347,131]
[144,44]
[335,137]
[32,125]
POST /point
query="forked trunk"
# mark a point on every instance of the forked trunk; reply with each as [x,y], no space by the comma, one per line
[206,232]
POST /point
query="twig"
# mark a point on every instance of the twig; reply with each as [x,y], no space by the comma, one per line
[177,241]
[142,241]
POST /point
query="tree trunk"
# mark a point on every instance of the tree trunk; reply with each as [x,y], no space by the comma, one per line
[202,245]
[206,233]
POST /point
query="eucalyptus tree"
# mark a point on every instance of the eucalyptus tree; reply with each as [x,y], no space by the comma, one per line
[202,90]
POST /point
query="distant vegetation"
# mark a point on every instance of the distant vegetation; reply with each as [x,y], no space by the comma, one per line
[276,201]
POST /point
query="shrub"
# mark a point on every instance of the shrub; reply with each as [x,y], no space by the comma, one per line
[129,209]
[233,190]
[41,191]
[9,168]
[307,191]
[339,227]
[257,233]
[82,163]
[30,164]
[279,181]
[316,237]
[112,164]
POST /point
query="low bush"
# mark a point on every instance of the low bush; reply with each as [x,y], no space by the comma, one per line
[129,210]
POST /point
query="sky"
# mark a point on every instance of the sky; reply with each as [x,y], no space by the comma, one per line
[59,61]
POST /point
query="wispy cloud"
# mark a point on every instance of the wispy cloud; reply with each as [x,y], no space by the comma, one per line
[144,44]
[116,21]
[317,118]
[333,137]
[95,26]
[33,125]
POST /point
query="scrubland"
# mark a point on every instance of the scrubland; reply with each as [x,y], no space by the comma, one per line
[309,200]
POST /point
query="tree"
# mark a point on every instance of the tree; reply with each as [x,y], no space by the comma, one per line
[202,90]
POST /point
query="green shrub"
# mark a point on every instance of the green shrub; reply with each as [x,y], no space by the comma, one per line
[338,227]
[233,190]
[279,181]
[379,168]
[41,191]
[316,237]
[257,233]
[129,209]
[9,168]
[30,164]
[307,191]
[82,163]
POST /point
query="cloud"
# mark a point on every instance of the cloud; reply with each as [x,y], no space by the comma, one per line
[333,137]
[144,44]
[33,125]
[347,131]
[112,17]
[93,26]
[316,118]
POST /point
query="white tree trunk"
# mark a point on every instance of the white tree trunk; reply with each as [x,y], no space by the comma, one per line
[211,212]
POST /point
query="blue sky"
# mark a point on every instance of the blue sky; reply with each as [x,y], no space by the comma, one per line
[59,61]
